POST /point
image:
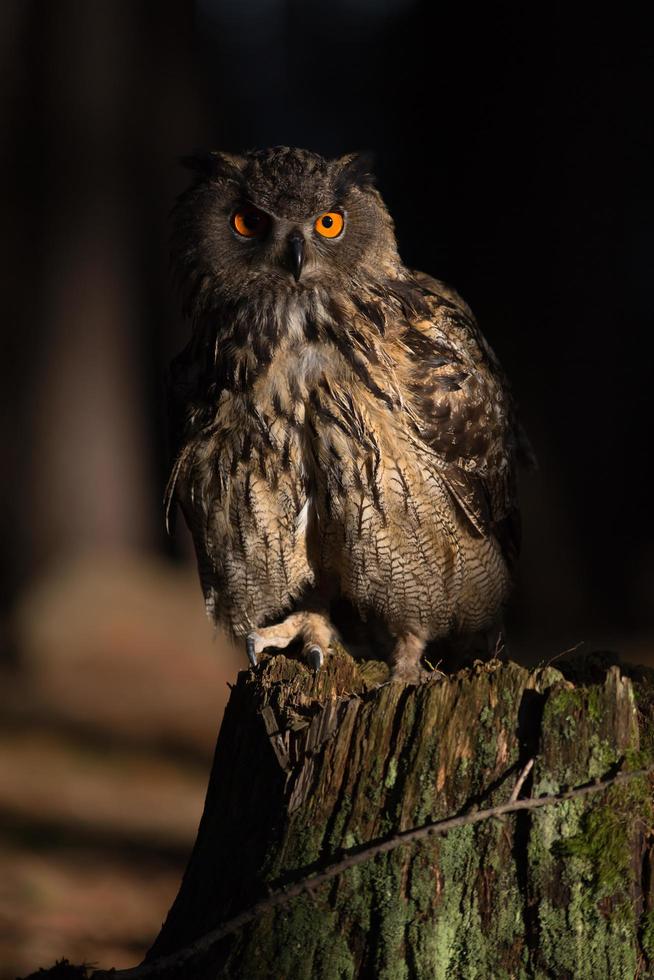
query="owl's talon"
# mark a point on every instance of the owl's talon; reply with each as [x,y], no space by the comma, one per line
[315,657]
[251,651]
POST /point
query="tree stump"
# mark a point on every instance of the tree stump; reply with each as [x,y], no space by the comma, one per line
[308,766]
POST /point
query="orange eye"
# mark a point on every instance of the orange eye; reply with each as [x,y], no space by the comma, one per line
[250,222]
[330,224]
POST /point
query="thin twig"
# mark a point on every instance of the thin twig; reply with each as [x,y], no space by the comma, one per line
[521,781]
[309,883]
[563,653]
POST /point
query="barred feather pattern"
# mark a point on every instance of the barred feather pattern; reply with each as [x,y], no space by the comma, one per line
[362,442]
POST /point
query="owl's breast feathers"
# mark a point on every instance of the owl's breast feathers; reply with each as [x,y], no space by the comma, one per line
[387,393]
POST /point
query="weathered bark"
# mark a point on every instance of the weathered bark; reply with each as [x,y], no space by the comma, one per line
[308,766]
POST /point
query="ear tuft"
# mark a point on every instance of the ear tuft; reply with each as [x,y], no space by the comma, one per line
[355,170]
[214,165]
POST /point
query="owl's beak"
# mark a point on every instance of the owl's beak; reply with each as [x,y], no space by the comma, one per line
[296,253]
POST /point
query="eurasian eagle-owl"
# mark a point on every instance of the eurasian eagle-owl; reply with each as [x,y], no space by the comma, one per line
[345,428]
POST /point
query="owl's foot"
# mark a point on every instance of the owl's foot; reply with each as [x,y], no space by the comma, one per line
[313,629]
[406,667]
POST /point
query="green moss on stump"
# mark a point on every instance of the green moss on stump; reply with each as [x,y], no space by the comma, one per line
[562,892]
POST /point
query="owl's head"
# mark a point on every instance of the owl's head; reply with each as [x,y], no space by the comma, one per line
[281,219]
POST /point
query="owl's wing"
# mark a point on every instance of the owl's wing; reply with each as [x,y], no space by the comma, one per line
[190,411]
[466,414]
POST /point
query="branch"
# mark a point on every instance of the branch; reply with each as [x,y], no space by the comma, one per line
[309,882]
[521,781]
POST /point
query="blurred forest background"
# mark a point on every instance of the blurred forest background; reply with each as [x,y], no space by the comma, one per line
[514,148]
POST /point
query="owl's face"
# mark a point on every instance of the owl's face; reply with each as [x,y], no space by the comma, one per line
[284,220]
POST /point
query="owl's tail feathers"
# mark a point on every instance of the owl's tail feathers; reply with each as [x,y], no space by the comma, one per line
[313,630]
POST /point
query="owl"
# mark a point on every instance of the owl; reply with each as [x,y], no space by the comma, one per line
[344,429]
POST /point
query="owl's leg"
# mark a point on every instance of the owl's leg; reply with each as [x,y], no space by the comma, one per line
[405,660]
[313,629]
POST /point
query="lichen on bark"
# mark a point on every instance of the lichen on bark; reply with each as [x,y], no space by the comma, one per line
[308,766]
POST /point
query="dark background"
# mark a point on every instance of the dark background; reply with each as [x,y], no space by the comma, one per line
[514,148]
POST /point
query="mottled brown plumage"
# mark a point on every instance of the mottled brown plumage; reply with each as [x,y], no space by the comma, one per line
[348,433]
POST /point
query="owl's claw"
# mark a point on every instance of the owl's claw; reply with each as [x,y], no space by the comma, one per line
[250,650]
[315,657]
[312,629]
